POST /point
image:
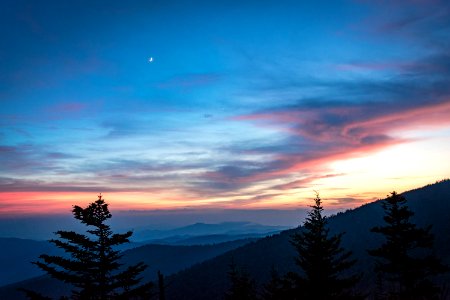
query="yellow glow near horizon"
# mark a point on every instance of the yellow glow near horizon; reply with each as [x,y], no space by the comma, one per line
[356,181]
[401,167]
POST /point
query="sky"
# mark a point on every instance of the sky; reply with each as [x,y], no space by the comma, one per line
[210,105]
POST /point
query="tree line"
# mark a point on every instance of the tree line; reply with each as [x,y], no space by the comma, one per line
[405,263]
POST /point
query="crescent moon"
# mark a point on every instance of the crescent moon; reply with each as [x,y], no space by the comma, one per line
[150,59]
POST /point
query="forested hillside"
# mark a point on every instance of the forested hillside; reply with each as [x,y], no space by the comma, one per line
[208,280]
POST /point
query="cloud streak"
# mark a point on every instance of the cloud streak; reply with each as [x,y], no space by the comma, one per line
[229,113]
[349,118]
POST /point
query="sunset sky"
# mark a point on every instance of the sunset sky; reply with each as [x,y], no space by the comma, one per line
[219,104]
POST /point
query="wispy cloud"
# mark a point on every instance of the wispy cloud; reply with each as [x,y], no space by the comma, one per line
[25,158]
[349,117]
[8,185]
[252,120]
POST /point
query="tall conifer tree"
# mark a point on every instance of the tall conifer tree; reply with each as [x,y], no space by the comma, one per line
[161,287]
[242,286]
[92,266]
[276,287]
[322,260]
[405,261]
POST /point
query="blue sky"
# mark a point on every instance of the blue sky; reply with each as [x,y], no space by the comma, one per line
[245,105]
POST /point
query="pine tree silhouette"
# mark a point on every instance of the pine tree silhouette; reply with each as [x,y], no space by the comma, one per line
[322,260]
[94,267]
[275,288]
[242,286]
[405,262]
[161,287]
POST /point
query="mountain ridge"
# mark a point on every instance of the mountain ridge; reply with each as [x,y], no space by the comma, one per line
[166,258]
[208,279]
[201,228]
[257,258]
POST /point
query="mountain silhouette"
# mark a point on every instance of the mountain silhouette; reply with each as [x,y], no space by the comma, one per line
[208,280]
[166,258]
[16,255]
[235,230]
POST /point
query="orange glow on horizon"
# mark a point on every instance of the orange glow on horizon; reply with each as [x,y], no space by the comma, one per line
[343,182]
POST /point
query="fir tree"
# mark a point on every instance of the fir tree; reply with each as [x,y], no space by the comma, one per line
[242,286]
[322,260]
[405,260]
[161,287]
[93,267]
[275,288]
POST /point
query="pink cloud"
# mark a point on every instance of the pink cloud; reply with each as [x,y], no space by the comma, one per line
[360,130]
[301,183]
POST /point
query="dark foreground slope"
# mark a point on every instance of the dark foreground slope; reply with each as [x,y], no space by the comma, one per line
[167,259]
[208,280]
